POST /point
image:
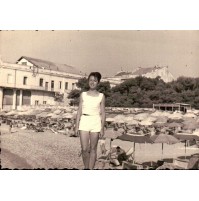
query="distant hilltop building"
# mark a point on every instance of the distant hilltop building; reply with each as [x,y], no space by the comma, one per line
[151,72]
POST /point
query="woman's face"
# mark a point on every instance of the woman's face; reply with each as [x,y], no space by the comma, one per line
[93,82]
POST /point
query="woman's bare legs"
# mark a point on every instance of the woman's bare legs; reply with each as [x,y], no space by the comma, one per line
[84,139]
[93,149]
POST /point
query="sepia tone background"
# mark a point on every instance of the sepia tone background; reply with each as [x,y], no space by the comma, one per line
[107,51]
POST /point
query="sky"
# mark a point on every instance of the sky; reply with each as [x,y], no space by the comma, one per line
[107,51]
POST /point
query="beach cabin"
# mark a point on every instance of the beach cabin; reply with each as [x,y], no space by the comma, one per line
[172,107]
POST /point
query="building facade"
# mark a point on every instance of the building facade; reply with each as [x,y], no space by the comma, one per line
[151,72]
[32,82]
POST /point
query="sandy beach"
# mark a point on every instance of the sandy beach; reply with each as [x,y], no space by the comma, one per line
[26,149]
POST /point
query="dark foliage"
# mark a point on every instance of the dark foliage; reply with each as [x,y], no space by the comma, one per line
[143,92]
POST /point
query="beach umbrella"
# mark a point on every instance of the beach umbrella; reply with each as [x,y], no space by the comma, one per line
[185,137]
[119,121]
[67,115]
[188,119]
[110,119]
[173,125]
[190,126]
[11,113]
[191,115]
[164,138]
[141,116]
[146,123]
[119,118]
[58,111]
[132,122]
[55,116]
[111,133]
[157,114]
[176,115]
[159,124]
[50,115]
[150,118]
[135,139]
[42,114]
[68,124]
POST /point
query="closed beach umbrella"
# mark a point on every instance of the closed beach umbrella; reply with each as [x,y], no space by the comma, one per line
[164,138]
[135,139]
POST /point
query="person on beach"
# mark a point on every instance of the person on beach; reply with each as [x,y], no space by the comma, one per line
[119,156]
[10,126]
[90,120]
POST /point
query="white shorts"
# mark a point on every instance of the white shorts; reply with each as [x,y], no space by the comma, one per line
[90,123]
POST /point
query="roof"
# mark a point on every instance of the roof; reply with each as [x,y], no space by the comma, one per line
[139,71]
[142,71]
[121,73]
[51,65]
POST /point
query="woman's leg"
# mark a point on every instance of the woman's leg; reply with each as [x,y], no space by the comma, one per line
[93,149]
[84,139]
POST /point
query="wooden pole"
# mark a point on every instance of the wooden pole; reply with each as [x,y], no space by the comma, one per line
[134,152]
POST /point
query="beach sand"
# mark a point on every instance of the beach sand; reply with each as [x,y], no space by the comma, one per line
[25,149]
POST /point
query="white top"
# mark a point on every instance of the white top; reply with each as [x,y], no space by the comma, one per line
[91,104]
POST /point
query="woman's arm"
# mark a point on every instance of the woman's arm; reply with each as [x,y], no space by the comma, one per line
[103,115]
[79,113]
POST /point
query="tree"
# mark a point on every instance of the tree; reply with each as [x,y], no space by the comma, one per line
[83,84]
[143,92]
[105,88]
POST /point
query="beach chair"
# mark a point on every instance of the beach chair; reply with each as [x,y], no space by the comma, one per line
[130,154]
[182,164]
[110,159]
[131,166]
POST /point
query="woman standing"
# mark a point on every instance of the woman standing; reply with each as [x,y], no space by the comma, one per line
[90,120]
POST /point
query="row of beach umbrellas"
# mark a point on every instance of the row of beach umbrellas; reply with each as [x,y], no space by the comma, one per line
[161,138]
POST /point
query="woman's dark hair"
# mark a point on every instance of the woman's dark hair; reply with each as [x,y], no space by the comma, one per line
[95,74]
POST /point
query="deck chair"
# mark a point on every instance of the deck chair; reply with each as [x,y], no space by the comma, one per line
[110,158]
[130,154]
[180,164]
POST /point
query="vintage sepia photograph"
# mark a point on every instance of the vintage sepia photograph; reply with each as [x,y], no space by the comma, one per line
[99,99]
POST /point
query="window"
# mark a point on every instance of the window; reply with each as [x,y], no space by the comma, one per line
[26,97]
[24,63]
[73,86]
[44,102]
[36,102]
[25,81]
[60,83]
[9,79]
[41,81]
[66,85]
[52,84]
[46,86]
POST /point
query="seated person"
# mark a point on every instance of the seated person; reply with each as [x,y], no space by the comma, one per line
[118,156]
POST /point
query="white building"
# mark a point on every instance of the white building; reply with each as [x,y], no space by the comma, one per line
[151,72]
[34,82]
